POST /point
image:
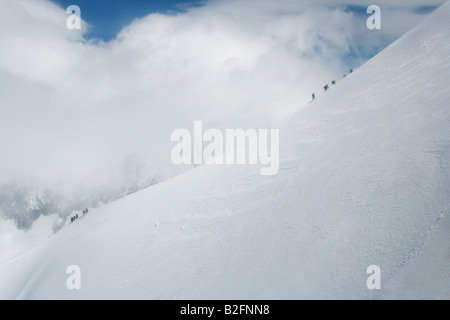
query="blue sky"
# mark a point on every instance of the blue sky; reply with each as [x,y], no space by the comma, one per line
[106,18]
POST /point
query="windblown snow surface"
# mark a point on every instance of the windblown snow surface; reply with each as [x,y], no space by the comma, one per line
[364,180]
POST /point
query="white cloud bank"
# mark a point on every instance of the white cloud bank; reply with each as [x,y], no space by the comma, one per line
[85,120]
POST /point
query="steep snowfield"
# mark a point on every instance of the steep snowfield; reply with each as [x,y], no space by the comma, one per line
[364,180]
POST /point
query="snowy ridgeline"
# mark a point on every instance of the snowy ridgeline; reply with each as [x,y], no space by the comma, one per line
[364,180]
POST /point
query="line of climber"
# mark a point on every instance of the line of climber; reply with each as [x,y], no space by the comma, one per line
[326,87]
[76,217]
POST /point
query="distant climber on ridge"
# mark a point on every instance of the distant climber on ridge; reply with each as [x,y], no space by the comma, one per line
[326,87]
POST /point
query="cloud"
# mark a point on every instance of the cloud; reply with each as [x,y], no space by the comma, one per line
[87,121]
[404,4]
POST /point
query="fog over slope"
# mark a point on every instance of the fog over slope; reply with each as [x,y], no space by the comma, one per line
[85,122]
[364,180]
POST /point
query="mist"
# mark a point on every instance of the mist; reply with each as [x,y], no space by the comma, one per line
[84,122]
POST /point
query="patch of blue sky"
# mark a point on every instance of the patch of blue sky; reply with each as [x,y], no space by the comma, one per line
[106,18]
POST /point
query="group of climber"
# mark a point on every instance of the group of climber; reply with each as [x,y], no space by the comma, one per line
[75,217]
[326,87]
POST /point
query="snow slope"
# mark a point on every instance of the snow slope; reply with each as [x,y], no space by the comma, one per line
[364,180]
